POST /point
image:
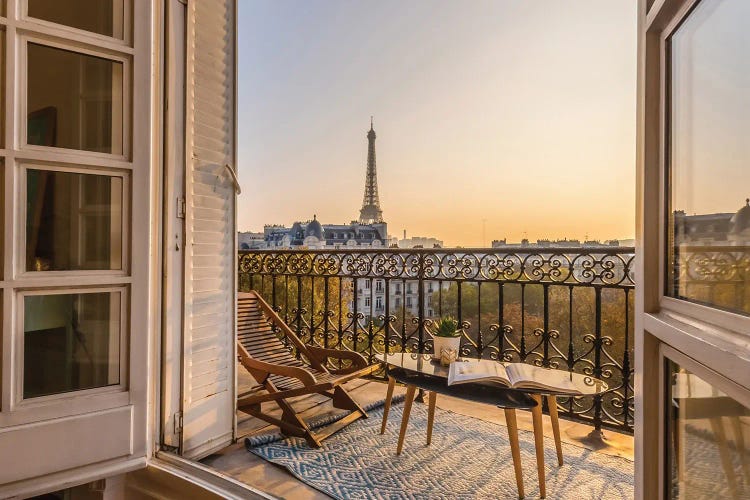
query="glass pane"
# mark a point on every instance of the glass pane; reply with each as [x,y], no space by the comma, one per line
[99,16]
[83,109]
[71,342]
[73,221]
[708,440]
[710,157]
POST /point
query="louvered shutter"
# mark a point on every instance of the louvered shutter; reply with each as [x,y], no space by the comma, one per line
[210,251]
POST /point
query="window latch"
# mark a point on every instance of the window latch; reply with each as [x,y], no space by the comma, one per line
[181,207]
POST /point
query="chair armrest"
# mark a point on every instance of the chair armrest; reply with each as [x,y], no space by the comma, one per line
[321,354]
[260,370]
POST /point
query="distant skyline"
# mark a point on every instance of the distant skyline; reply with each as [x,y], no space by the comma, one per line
[520,113]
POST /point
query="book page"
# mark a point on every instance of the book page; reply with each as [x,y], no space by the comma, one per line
[477,371]
[525,376]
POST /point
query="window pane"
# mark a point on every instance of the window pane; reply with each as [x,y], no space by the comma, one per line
[708,441]
[71,342]
[99,16]
[83,109]
[73,221]
[710,157]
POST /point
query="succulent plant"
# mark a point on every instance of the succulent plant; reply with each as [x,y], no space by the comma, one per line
[447,326]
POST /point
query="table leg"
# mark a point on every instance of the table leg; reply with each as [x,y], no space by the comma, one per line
[431,415]
[717,426]
[536,415]
[552,403]
[410,390]
[510,421]
[739,443]
[387,406]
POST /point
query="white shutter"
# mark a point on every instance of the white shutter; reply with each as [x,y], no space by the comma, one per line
[210,251]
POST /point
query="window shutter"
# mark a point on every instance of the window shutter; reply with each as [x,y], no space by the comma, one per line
[210,252]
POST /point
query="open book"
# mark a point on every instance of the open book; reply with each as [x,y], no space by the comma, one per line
[512,375]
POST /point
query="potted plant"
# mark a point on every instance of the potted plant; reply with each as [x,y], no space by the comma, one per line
[446,336]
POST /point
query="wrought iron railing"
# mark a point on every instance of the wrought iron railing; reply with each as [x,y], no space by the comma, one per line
[713,274]
[568,308]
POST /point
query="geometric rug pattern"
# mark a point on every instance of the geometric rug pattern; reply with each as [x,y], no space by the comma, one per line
[468,458]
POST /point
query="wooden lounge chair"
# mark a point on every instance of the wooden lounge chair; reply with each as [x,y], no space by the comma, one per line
[282,375]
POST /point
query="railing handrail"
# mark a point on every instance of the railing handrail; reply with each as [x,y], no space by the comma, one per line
[598,267]
[514,249]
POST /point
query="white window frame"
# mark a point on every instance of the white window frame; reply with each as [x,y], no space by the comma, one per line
[711,337]
[89,51]
[122,411]
[67,31]
[19,403]
[704,313]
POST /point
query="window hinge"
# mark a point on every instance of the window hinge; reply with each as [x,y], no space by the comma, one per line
[178,422]
[181,207]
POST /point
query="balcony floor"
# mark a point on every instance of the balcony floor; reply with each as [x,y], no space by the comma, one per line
[237,462]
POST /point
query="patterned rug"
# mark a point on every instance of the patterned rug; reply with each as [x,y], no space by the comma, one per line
[468,458]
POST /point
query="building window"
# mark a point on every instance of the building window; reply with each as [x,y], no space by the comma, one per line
[367,284]
[367,301]
[379,303]
[708,156]
[408,301]
[398,302]
[378,286]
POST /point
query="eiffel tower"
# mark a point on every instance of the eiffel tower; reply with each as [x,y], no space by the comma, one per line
[371,212]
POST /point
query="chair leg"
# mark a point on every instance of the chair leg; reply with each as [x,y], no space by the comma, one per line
[342,400]
[552,403]
[536,415]
[431,415]
[290,417]
[410,390]
[387,406]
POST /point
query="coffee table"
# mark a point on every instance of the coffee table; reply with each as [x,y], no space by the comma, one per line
[420,371]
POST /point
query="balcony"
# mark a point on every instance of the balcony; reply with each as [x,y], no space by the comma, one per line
[555,307]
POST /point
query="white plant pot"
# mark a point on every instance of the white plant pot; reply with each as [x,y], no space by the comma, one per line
[441,343]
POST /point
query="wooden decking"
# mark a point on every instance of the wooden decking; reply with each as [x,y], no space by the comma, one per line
[237,462]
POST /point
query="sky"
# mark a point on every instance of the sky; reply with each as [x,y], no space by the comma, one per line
[494,119]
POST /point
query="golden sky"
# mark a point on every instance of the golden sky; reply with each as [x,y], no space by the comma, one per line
[520,113]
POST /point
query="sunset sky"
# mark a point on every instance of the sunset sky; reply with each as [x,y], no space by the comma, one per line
[520,112]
